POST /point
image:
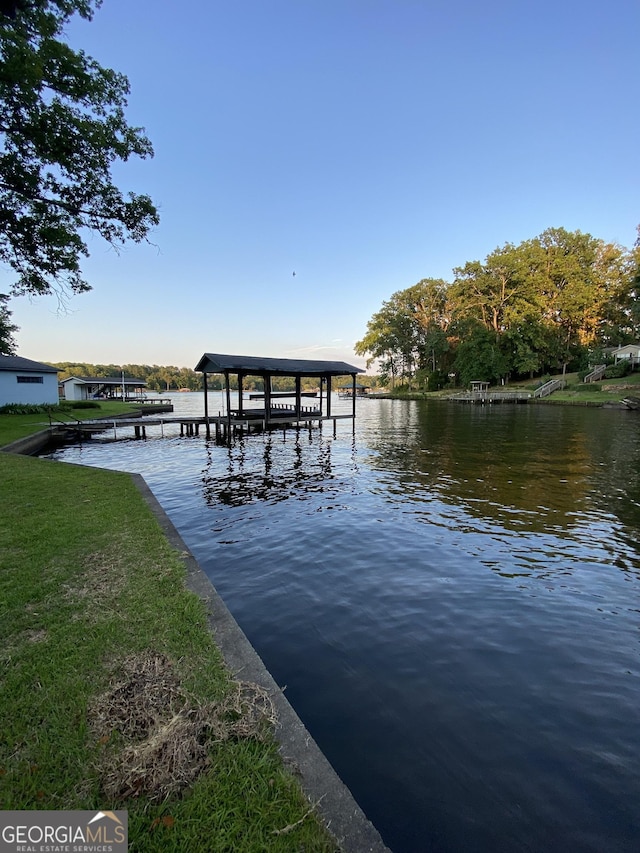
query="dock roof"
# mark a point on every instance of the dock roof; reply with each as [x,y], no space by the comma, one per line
[105,380]
[249,365]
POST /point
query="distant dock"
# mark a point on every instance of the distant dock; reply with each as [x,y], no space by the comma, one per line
[491,397]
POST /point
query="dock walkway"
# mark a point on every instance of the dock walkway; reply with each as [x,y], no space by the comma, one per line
[251,420]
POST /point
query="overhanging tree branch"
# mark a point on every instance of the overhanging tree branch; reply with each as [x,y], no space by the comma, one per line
[62,127]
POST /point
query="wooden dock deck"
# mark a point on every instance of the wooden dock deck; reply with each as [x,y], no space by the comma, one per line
[222,426]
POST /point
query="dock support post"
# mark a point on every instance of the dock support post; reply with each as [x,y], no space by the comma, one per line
[240,394]
[353,394]
[228,398]
[206,404]
[298,395]
[267,400]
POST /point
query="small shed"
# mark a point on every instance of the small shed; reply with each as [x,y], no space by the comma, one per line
[27,382]
[102,387]
[478,386]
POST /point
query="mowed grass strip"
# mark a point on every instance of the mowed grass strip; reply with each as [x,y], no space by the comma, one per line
[16,426]
[88,584]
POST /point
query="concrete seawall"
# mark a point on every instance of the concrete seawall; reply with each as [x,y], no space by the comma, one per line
[30,445]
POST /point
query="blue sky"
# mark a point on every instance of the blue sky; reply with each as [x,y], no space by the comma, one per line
[363,144]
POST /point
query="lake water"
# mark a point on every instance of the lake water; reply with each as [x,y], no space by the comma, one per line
[451,595]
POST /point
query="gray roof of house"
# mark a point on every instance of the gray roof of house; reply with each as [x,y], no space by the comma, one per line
[24,365]
[104,380]
[255,366]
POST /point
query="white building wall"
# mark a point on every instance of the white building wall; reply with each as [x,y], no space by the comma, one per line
[631,351]
[34,393]
[75,390]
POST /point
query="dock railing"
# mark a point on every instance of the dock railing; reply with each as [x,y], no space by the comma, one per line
[490,397]
[312,410]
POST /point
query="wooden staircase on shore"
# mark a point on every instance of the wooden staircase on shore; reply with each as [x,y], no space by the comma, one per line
[596,374]
[549,387]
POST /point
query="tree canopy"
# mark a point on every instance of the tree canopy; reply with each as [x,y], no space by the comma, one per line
[539,306]
[7,328]
[62,127]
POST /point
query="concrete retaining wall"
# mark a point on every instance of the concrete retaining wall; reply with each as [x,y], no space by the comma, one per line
[31,444]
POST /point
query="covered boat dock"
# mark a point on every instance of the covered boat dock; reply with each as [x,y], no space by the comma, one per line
[272,415]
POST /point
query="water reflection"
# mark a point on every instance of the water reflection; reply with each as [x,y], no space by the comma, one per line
[271,475]
[528,469]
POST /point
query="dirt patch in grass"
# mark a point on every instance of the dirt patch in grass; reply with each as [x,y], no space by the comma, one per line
[164,738]
[102,579]
[14,645]
[35,635]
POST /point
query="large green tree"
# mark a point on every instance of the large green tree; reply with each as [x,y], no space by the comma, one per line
[547,303]
[62,127]
[7,328]
[479,356]
[492,292]
[570,291]
[407,333]
[621,323]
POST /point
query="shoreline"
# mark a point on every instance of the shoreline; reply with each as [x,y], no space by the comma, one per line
[609,403]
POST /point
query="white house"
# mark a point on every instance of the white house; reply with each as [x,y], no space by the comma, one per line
[26,381]
[630,351]
[100,387]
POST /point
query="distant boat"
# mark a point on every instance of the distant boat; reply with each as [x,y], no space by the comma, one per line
[182,390]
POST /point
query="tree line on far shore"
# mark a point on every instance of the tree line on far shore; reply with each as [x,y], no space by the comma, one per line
[170,378]
[554,303]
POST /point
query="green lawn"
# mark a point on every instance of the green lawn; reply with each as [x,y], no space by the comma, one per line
[591,394]
[13,427]
[112,692]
